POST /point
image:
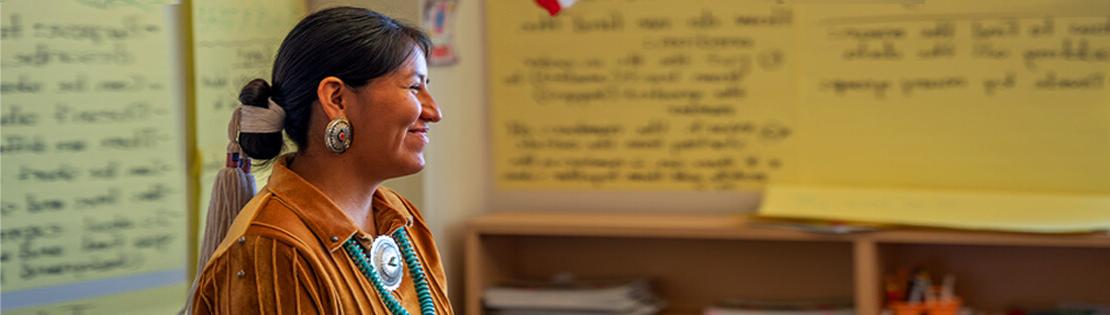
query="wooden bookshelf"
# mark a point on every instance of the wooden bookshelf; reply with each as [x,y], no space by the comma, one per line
[699,259]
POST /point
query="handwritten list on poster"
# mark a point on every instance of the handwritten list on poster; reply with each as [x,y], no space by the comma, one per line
[235,42]
[952,95]
[642,95]
[92,145]
[708,95]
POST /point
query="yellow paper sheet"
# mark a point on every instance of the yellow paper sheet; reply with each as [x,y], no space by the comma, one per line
[93,140]
[1040,213]
[161,300]
[956,95]
[642,95]
[235,42]
[937,95]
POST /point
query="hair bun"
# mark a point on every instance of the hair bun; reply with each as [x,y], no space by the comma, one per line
[256,92]
[262,146]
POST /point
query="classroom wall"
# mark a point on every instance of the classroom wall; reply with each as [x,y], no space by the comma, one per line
[406,10]
[459,179]
[457,175]
[457,185]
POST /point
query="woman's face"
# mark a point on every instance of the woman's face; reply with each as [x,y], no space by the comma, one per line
[390,122]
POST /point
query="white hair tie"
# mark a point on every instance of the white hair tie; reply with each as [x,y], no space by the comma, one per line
[254,119]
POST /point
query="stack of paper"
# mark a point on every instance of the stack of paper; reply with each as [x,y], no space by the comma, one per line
[766,307]
[629,297]
[998,211]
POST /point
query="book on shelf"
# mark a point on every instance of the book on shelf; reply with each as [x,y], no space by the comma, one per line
[782,307]
[597,297]
[642,309]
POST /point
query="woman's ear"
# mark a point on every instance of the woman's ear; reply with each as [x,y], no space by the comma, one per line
[330,95]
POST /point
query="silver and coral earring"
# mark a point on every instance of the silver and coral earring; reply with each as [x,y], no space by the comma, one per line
[338,135]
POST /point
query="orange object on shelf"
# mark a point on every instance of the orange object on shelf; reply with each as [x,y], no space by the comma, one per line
[935,308]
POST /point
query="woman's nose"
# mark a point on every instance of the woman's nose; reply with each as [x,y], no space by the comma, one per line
[429,110]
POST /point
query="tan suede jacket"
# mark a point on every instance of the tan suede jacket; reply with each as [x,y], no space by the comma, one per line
[283,255]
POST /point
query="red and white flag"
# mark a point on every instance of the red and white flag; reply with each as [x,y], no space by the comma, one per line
[554,6]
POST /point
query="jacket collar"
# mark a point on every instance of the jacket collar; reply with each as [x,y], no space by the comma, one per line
[326,220]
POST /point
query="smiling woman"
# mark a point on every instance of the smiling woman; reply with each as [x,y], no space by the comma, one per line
[324,237]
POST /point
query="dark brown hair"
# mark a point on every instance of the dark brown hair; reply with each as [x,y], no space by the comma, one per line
[353,44]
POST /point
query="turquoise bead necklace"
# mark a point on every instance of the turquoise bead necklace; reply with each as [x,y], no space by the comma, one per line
[427,306]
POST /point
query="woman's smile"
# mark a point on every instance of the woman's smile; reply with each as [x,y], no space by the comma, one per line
[419,133]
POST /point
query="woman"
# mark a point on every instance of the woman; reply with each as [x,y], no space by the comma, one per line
[323,237]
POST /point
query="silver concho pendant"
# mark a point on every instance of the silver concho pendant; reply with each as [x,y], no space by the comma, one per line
[385,255]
